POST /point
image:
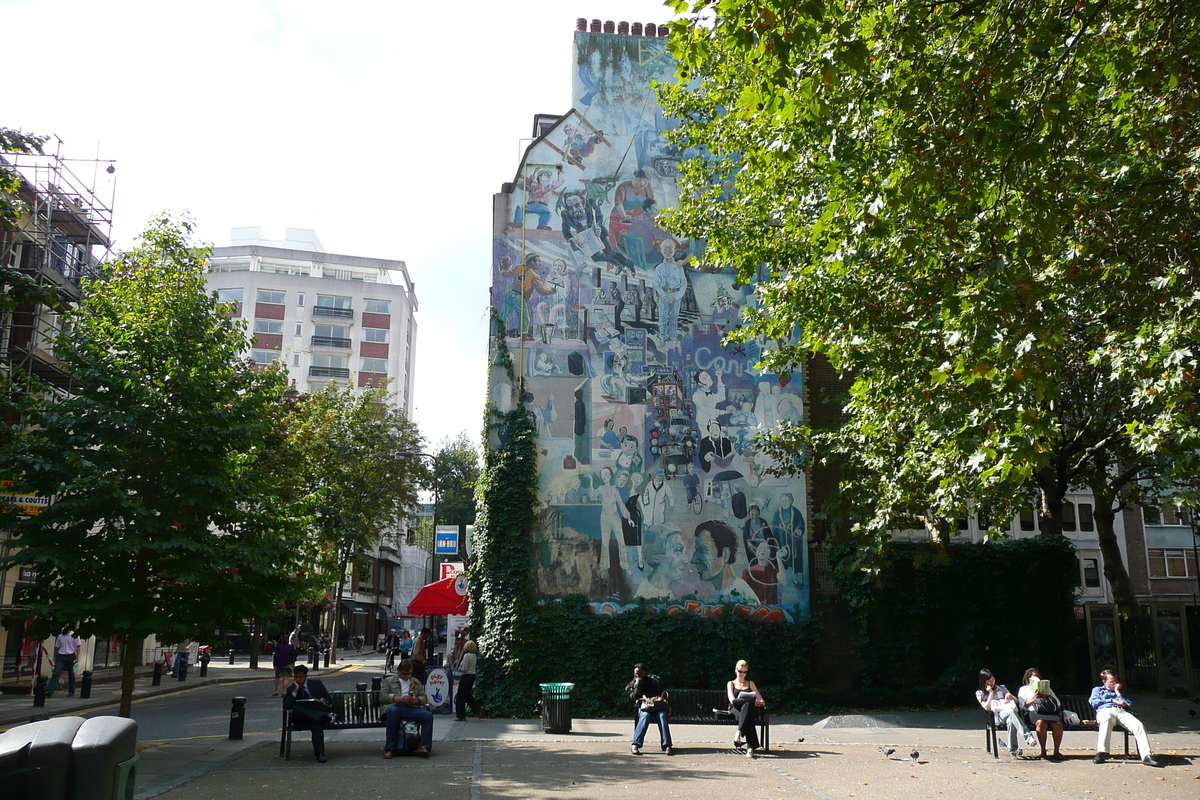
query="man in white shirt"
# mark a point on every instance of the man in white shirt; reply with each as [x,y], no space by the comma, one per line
[66,649]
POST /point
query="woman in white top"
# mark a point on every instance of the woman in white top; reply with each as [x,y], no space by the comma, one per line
[465,695]
[994,697]
[745,700]
[1043,723]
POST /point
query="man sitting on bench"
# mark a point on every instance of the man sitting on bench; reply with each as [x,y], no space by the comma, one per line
[1113,707]
[407,696]
[310,704]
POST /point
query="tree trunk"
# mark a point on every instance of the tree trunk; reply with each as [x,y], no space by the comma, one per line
[1114,566]
[337,614]
[128,670]
[1051,491]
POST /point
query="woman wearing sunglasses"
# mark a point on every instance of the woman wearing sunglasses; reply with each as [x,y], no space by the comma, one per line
[744,701]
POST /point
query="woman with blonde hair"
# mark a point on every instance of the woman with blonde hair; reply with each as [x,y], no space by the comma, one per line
[466,683]
[744,702]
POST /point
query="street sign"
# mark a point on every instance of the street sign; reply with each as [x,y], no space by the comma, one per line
[437,689]
[445,540]
[451,568]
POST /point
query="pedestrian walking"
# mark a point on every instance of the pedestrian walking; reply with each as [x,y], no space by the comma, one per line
[66,649]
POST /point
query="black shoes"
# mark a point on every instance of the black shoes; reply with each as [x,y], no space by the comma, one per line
[321,758]
[1151,761]
[1100,758]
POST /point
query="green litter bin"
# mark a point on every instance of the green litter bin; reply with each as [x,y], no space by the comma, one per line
[556,707]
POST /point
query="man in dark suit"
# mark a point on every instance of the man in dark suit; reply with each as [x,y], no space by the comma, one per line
[310,716]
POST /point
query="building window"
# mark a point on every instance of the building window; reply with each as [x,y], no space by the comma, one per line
[1028,521]
[263,356]
[300,298]
[381,335]
[329,360]
[268,326]
[271,296]
[1068,516]
[295,359]
[377,306]
[333,301]
[1176,516]
[230,295]
[1169,563]
[374,365]
[1086,524]
[299,328]
[1091,573]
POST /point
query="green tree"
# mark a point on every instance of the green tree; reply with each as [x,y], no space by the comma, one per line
[163,518]
[351,445]
[983,211]
[456,465]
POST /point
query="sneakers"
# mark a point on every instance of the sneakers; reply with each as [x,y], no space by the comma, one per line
[1016,753]
[1151,761]
[667,751]
[1100,758]
[1030,739]
[637,751]
[749,752]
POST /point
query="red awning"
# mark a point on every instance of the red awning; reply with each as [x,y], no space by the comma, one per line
[438,599]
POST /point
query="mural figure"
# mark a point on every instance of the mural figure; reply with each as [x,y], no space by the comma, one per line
[628,204]
[612,512]
[538,192]
[714,558]
[670,283]
[583,228]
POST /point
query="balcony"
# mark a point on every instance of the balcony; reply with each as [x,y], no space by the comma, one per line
[329,311]
[331,341]
[328,372]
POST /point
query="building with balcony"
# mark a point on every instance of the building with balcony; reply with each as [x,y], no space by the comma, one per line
[326,317]
[60,236]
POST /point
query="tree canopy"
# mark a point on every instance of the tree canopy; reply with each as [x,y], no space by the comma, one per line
[164,517]
[986,212]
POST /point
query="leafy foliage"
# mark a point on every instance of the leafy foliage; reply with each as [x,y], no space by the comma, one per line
[164,519]
[985,212]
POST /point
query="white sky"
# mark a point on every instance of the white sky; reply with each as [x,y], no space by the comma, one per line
[386,127]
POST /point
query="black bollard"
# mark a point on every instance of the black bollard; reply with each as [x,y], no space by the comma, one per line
[237,718]
[328,650]
[156,680]
[85,685]
[376,683]
[361,686]
[183,665]
[204,659]
[231,655]
[39,691]
[312,658]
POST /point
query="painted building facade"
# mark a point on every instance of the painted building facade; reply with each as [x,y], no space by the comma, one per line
[651,487]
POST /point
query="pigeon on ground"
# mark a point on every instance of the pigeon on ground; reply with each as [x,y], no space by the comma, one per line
[887,751]
[914,755]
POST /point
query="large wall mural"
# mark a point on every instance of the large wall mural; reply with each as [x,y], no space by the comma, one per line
[651,487]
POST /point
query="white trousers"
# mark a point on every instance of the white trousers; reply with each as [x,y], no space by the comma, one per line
[1109,716]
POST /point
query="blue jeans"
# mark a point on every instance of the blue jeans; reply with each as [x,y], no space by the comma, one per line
[643,722]
[534,207]
[62,663]
[180,658]
[397,714]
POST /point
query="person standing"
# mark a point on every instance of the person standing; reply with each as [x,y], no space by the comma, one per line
[421,653]
[465,696]
[66,648]
[181,657]
[408,700]
[1113,707]
[284,661]
[647,693]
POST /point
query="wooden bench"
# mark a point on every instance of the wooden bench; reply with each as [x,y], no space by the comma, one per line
[1077,703]
[352,710]
[709,707]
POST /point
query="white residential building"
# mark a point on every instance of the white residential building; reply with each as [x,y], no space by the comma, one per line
[327,317]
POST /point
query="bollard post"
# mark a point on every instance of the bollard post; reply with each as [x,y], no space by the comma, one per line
[231,655]
[328,650]
[237,718]
[156,680]
[183,667]
[204,659]
[85,685]
[312,658]
[39,691]
[376,683]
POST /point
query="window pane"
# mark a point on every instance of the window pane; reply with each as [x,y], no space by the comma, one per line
[329,360]
[230,295]
[374,365]
[300,299]
[271,296]
[333,301]
[1085,518]
[377,306]
[264,356]
[1068,515]
[1027,519]
[1176,564]
[1091,573]
[1151,516]
[963,523]
[268,326]
[331,331]
[1169,518]
[1158,563]
[376,335]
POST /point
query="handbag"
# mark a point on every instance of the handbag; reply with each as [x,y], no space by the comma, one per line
[1047,705]
[657,704]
